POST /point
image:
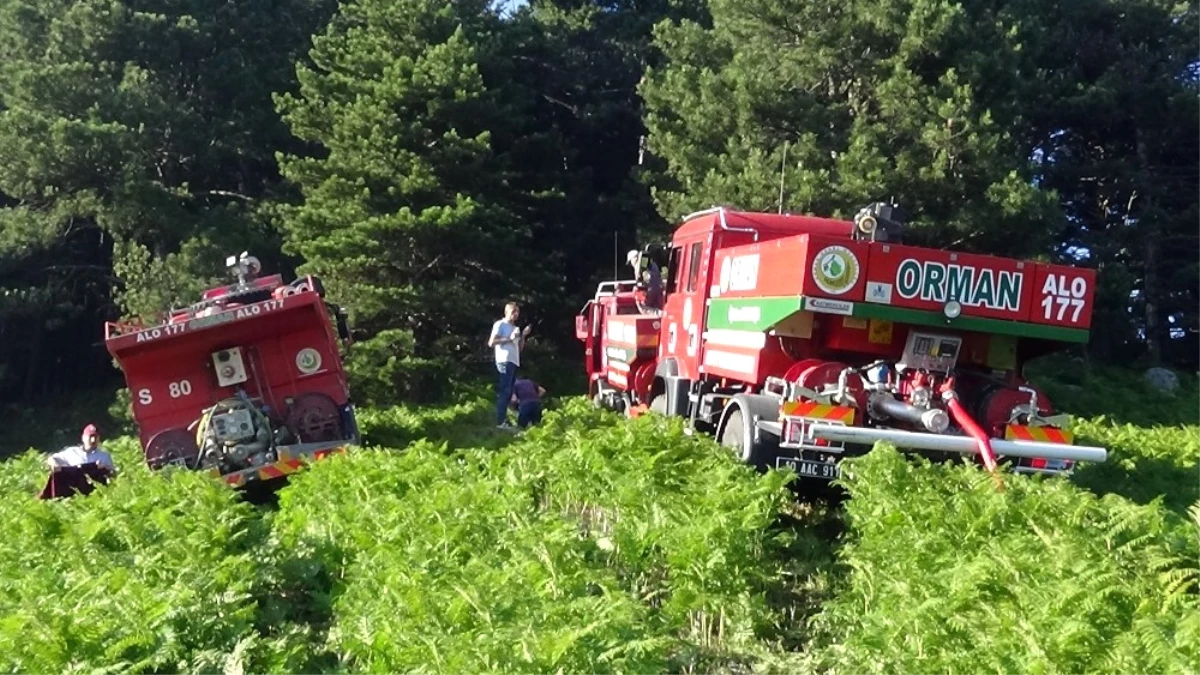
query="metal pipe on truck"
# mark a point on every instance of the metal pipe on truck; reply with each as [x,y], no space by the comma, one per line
[962,444]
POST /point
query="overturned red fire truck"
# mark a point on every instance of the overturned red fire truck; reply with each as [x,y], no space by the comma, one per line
[246,383]
[797,340]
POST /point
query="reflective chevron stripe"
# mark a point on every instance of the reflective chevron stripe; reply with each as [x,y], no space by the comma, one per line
[1016,432]
[820,411]
[279,469]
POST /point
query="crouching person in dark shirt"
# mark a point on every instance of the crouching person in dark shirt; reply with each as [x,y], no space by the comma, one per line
[527,396]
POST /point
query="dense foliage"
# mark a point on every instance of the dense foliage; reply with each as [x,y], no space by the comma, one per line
[433,158]
[949,574]
[150,574]
[584,545]
[598,544]
[137,142]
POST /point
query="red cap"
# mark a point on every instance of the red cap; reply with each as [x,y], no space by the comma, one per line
[90,430]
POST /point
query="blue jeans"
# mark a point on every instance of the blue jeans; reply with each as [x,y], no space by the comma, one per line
[504,389]
[529,412]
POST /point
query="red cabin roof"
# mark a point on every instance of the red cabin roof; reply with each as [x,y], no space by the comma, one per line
[768,223]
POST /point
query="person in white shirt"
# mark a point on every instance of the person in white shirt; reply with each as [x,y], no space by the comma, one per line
[88,452]
[506,340]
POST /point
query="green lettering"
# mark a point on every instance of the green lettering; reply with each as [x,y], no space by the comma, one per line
[908,278]
[985,290]
[931,288]
[1010,290]
[958,283]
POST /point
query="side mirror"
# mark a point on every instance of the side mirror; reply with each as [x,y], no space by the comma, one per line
[343,328]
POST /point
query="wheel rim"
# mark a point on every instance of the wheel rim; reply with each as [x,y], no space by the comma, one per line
[734,436]
[170,447]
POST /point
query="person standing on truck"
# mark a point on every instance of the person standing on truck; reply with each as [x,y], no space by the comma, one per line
[527,395]
[507,341]
[87,452]
[651,277]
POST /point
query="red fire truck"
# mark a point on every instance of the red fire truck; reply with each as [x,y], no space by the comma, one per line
[246,384]
[796,340]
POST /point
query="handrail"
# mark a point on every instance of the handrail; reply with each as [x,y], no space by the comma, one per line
[725,226]
[724,223]
[702,212]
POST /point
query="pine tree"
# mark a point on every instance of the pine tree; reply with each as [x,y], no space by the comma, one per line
[407,211]
[134,134]
[903,100]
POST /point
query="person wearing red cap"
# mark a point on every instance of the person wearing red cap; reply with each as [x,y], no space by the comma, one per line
[88,452]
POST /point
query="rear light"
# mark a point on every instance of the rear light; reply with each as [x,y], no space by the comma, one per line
[793,430]
[1051,464]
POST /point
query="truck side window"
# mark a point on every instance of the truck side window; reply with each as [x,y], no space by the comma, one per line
[673,264]
[694,266]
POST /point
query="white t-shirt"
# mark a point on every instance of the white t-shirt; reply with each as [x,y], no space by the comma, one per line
[506,351]
[75,456]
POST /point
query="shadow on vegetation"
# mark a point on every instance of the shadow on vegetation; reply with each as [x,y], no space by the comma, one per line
[1138,477]
[1120,395]
[301,597]
[56,423]
[808,534]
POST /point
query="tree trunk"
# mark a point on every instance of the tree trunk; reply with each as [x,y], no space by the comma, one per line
[1150,254]
[35,357]
[1150,291]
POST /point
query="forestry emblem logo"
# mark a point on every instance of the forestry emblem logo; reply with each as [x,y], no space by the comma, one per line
[835,269]
[308,360]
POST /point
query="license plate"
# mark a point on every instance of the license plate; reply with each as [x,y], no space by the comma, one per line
[810,469]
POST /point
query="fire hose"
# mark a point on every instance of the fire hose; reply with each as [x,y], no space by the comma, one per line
[964,420]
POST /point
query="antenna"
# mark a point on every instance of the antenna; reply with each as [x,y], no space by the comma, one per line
[616,257]
[782,171]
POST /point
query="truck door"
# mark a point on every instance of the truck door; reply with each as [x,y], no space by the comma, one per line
[685,306]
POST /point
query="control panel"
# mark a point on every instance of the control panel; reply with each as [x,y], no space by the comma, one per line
[231,369]
[930,352]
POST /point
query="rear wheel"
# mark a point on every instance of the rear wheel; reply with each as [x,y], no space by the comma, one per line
[733,434]
[658,404]
[738,436]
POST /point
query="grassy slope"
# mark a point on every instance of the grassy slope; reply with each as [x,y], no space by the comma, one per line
[1153,437]
[683,564]
[1096,574]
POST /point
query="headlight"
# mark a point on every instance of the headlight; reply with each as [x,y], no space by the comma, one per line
[866,223]
[952,309]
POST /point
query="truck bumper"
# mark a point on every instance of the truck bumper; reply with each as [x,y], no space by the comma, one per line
[960,444]
[814,452]
[292,458]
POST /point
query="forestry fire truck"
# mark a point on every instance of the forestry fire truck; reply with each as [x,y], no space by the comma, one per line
[246,383]
[798,340]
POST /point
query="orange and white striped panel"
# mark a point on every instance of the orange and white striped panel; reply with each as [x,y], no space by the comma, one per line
[283,467]
[819,411]
[1018,432]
